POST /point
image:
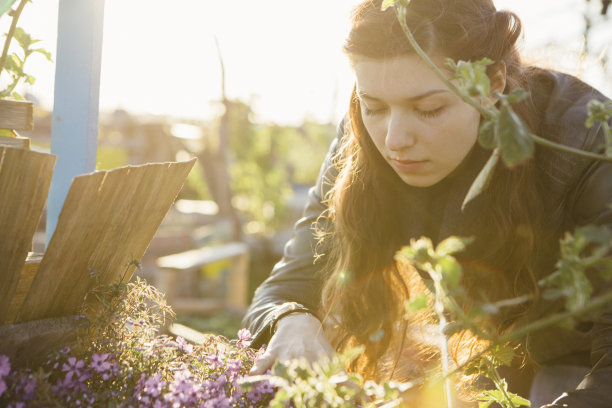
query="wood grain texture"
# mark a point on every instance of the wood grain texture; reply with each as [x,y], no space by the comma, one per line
[17,115]
[25,177]
[29,344]
[16,142]
[107,221]
[23,286]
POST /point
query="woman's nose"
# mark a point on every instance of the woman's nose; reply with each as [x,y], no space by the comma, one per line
[400,132]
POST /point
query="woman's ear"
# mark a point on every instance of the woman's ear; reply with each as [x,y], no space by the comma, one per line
[498,79]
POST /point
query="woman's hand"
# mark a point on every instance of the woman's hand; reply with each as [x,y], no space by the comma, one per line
[297,335]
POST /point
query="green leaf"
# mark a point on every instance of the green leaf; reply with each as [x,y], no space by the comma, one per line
[486,134]
[598,111]
[29,79]
[5,5]
[502,355]
[482,180]
[517,95]
[17,96]
[44,52]
[24,39]
[451,271]
[514,137]
[416,304]
[452,245]
[472,76]
[280,370]
[519,401]
[485,404]
[14,64]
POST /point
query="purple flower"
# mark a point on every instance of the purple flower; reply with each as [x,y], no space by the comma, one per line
[233,366]
[215,360]
[183,345]
[26,386]
[2,387]
[5,366]
[244,335]
[153,386]
[73,367]
[99,363]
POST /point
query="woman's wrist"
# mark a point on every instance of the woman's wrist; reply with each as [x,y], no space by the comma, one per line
[286,309]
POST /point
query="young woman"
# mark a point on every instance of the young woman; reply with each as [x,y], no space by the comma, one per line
[400,168]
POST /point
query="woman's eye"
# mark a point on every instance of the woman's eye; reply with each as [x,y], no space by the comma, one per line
[431,113]
[373,112]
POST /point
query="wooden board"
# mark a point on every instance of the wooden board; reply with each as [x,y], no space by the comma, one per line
[107,221]
[16,142]
[23,286]
[29,344]
[17,115]
[25,177]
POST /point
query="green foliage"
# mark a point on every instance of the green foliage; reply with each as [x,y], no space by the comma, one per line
[15,62]
[472,76]
[268,159]
[5,5]
[601,111]
[326,384]
[503,397]
[483,179]
[585,250]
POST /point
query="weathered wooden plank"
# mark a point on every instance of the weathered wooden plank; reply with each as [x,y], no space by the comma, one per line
[107,221]
[16,142]
[29,344]
[16,115]
[25,177]
[23,286]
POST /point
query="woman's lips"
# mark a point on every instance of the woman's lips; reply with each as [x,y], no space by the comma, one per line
[406,165]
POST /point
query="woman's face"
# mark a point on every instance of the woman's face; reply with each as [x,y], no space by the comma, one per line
[421,128]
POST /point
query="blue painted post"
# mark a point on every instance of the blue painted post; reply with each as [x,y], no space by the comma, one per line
[74,132]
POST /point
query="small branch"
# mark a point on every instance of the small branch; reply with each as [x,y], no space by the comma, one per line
[401,16]
[11,32]
[567,149]
[537,325]
[500,386]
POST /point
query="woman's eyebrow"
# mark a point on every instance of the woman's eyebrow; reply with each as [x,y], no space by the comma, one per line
[364,95]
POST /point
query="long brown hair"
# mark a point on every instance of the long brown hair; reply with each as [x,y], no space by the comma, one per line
[363,285]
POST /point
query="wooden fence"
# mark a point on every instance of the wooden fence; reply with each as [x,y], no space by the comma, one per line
[107,222]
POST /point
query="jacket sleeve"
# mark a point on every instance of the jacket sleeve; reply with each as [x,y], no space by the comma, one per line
[592,201]
[294,278]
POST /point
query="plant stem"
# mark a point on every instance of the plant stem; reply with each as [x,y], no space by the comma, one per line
[11,32]
[538,325]
[401,16]
[439,308]
[500,385]
[567,149]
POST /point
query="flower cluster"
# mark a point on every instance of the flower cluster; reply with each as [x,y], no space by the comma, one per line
[166,373]
[123,361]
